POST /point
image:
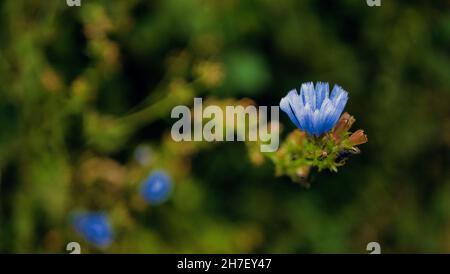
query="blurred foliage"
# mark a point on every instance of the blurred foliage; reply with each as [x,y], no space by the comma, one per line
[82,87]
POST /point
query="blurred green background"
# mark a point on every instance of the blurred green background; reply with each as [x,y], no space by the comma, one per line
[82,87]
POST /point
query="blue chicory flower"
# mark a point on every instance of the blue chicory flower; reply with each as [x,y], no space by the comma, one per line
[94,227]
[156,188]
[314,110]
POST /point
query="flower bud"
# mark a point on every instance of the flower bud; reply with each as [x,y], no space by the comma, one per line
[343,125]
[358,138]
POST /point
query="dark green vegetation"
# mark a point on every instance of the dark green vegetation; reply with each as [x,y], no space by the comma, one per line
[81,88]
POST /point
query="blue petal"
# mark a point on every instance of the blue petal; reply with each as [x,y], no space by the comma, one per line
[307,92]
[339,109]
[301,116]
[297,107]
[327,110]
[339,99]
[307,116]
[322,91]
[336,92]
[285,105]
[317,127]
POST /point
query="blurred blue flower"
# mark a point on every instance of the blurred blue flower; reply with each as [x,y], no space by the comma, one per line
[314,110]
[157,187]
[94,227]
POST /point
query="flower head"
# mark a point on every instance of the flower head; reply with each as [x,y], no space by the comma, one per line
[156,188]
[94,227]
[315,110]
